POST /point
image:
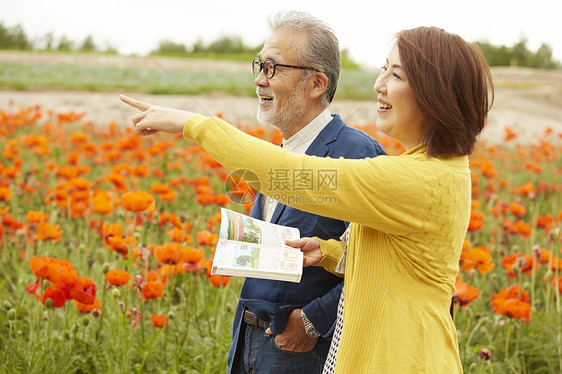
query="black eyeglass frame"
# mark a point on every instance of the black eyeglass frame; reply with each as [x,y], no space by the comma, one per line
[275,65]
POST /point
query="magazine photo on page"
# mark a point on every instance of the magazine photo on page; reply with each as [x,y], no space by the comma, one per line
[249,247]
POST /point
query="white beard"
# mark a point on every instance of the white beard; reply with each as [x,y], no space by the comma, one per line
[284,118]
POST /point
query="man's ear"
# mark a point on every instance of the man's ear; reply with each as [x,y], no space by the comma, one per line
[319,85]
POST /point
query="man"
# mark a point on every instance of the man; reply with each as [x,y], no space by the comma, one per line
[284,327]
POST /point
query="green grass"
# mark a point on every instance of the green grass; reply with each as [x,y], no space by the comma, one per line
[354,84]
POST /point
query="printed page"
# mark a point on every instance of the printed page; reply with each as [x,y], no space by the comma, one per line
[239,227]
[252,260]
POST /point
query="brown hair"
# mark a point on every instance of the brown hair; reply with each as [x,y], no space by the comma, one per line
[450,78]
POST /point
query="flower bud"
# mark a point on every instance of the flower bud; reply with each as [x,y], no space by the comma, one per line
[7,305]
[85,321]
[115,293]
[49,303]
[11,314]
[105,268]
[171,315]
[485,354]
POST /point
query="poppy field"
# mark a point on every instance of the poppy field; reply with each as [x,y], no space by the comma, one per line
[106,241]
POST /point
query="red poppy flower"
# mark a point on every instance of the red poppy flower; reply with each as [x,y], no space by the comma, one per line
[56,294]
[83,290]
[158,320]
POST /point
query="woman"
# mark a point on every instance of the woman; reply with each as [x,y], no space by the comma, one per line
[409,213]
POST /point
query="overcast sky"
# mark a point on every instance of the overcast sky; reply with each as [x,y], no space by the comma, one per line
[365,27]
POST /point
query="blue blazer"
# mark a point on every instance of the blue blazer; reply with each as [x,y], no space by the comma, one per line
[318,291]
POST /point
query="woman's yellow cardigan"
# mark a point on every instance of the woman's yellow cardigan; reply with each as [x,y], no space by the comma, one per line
[409,217]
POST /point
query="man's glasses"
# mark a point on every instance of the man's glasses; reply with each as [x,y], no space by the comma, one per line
[269,67]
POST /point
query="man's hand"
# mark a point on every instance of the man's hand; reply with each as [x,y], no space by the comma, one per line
[153,118]
[310,248]
[294,338]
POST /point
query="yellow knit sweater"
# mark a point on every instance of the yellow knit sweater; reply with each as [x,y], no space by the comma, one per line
[409,217]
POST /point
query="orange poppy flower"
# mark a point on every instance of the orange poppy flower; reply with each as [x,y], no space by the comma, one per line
[117,277]
[118,181]
[512,292]
[87,308]
[152,290]
[524,263]
[48,232]
[556,282]
[112,230]
[159,188]
[513,308]
[158,320]
[465,293]
[83,290]
[35,216]
[205,237]
[10,222]
[102,203]
[137,201]
[5,194]
[544,221]
[168,253]
[517,209]
[476,221]
[478,258]
[166,217]
[219,280]
[4,210]
[180,236]
[53,270]
[192,255]
[121,244]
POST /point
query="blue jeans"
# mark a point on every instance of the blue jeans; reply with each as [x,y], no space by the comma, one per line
[259,354]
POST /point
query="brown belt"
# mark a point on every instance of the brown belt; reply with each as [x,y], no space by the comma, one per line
[252,319]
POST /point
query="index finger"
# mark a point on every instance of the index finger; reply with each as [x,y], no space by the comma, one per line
[134,103]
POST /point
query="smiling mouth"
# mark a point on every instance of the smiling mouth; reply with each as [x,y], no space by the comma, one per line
[266,98]
[383,106]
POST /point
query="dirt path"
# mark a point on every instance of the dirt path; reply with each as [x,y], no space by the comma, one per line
[526,100]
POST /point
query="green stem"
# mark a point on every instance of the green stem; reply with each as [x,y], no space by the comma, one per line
[506,348]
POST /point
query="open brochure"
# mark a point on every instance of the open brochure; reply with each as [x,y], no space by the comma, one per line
[249,247]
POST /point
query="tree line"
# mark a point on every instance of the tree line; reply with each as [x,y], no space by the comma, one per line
[14,38]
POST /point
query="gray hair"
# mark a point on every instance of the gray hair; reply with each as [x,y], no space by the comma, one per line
[320,52]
